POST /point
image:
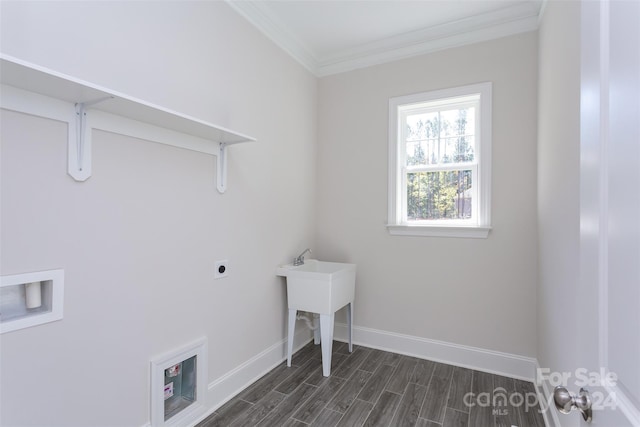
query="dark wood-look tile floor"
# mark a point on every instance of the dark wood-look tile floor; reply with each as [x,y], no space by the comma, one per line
[375,388]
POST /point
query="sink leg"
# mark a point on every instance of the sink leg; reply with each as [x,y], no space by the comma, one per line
[326,330]
[316,331]
[350,325]
[292,327]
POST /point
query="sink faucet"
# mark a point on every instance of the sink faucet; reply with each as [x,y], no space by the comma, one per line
[299,260]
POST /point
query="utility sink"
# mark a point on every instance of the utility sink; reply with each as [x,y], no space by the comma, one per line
[319,287]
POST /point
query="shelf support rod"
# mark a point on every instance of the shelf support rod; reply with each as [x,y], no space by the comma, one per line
[81,122]
[221,167]
[80,142]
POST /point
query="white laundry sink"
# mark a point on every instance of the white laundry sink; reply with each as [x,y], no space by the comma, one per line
[324,288]
[319,286]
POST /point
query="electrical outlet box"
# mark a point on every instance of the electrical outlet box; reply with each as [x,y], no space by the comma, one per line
[222,269]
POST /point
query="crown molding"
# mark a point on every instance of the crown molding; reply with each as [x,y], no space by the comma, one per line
[487,26]
[259,15]
[543,7]
[503,22]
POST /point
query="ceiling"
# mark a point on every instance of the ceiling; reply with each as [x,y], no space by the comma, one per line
[333,36]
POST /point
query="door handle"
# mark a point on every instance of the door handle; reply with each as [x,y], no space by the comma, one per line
[566,402]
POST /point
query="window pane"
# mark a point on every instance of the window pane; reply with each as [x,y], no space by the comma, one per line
[440,137]
[463,150]
[439,195]
[423,126]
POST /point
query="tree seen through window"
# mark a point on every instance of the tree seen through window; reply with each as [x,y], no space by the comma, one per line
[437,140]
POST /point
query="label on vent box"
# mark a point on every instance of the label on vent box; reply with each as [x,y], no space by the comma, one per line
[168,390]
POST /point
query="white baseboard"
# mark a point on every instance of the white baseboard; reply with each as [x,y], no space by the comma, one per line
[233,382]
[480,359]
[230,384]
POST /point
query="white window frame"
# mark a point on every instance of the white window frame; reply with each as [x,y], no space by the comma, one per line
[480,226]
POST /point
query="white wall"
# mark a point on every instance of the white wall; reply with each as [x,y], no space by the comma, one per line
[558,184]
[138,240]
[474,292]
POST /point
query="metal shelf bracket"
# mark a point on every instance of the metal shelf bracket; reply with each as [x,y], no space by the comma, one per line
[79,150]
[221,167]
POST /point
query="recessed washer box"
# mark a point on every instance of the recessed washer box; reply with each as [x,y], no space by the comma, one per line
[178,385]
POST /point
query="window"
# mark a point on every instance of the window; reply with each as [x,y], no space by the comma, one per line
[440,163]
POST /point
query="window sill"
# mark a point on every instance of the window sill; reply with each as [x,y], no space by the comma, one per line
[439,231]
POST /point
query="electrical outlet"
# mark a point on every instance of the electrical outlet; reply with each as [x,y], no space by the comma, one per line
[222,269]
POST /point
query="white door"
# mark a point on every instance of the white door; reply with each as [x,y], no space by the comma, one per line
[609,325]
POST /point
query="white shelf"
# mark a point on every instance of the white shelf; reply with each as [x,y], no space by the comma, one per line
[24,76]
